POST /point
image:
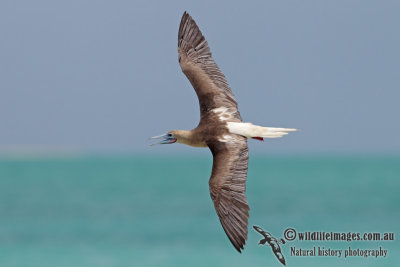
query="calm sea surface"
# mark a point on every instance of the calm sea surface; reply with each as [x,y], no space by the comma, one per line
[130,211]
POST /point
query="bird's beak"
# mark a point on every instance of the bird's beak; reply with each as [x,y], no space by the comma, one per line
[163,139]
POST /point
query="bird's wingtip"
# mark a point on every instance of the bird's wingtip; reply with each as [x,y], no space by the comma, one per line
[239,249]
[185,14]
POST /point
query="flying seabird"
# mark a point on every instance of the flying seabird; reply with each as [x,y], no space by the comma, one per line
[220,129]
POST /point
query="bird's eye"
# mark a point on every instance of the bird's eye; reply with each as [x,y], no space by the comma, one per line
[169,135]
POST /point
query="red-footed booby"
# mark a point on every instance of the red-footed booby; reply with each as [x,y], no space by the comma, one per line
[221,129]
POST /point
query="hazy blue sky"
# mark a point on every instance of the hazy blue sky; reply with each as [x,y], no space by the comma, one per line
[104,75]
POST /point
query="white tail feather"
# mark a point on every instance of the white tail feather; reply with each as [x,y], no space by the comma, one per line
[250,130]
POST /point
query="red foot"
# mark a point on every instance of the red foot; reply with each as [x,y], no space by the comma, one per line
[258,138]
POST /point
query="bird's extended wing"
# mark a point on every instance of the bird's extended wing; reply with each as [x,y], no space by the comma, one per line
[258,229]
[199,67]
[228,186]
[261,231]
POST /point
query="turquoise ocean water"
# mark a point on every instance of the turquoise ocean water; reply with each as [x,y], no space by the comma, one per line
[132,211]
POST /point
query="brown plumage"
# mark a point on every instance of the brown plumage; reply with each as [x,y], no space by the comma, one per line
[229,172]
[199,67]
[221,129]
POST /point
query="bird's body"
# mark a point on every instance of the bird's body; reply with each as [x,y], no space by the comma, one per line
[221,129]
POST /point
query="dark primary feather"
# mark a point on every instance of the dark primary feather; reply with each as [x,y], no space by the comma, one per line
[228,186]
[199,67]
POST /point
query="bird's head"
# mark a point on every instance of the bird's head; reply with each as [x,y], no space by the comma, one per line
[168,138]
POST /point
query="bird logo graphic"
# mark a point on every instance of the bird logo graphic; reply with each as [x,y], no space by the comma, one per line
[272,242]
